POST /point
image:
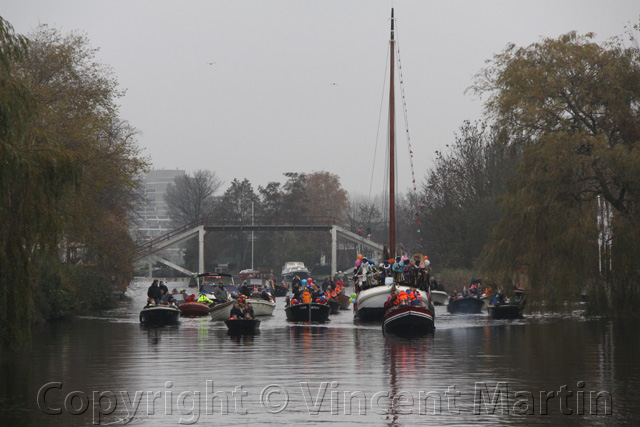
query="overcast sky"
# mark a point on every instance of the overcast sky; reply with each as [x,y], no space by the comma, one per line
[297,85]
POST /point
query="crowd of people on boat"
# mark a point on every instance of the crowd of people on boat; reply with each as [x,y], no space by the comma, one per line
[242,309]
[158,293]
[307,290]
[402,297]
[403,270]
[493,296]
[264,292]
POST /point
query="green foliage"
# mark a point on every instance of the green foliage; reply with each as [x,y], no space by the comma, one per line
[63,290]
[572,108]
[545,227]
[35,174]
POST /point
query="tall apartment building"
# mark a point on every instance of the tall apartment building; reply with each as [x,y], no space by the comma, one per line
[152,218]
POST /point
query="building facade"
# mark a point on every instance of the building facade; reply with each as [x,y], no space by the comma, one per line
[152,217]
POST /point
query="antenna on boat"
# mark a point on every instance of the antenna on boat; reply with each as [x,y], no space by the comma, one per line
[392,136]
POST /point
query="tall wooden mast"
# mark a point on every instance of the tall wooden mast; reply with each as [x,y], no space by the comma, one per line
[392,143]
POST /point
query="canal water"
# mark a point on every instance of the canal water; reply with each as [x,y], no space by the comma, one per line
[107,369]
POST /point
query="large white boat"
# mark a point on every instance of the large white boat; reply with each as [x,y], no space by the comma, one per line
[369,304]
[292,269]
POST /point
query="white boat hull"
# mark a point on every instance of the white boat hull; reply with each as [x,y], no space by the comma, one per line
[262,307]
[439,297]
[370,302]
[221,311]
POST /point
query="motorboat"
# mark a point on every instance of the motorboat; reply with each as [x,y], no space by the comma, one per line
[243,326]
[160,314]
[468,305]
[409,320]
[262,307]
[513,308]
[439,297]
[334,306]
[307,312]
[221,311]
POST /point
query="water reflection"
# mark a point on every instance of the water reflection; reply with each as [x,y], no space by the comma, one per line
[337,372]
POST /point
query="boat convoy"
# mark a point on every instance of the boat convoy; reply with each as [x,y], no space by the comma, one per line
[398,291]
[399,295]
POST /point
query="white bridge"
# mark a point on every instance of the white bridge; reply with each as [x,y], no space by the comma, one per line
[150,250]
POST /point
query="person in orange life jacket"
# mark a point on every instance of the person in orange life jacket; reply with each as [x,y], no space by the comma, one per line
[414,297]
[306,296]
[322,298]
[403,298]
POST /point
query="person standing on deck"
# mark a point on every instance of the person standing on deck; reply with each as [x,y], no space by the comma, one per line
[221,293]
[398,270]
[153,293]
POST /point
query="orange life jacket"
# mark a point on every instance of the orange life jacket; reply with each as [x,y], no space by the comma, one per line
[402,298]
[306,297]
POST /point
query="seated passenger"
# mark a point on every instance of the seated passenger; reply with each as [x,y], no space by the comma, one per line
[236,311]
[306,296]
[414,297]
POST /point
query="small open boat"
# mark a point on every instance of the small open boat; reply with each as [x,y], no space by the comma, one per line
[261,307]
[307,312]
[334,306]
[345,301]
[409,320]
[243,326]
[469,305]
[506,311]
[159,314]
[280,290]
[512,309]
[194,309]
[221,311]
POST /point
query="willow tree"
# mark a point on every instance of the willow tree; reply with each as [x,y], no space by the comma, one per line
[76,100]
[571,106]
[36,173]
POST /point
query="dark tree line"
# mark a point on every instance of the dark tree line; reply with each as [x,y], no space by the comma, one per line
[301,196]
[521,196]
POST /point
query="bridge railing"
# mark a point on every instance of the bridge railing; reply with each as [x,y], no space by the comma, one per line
[307,220]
